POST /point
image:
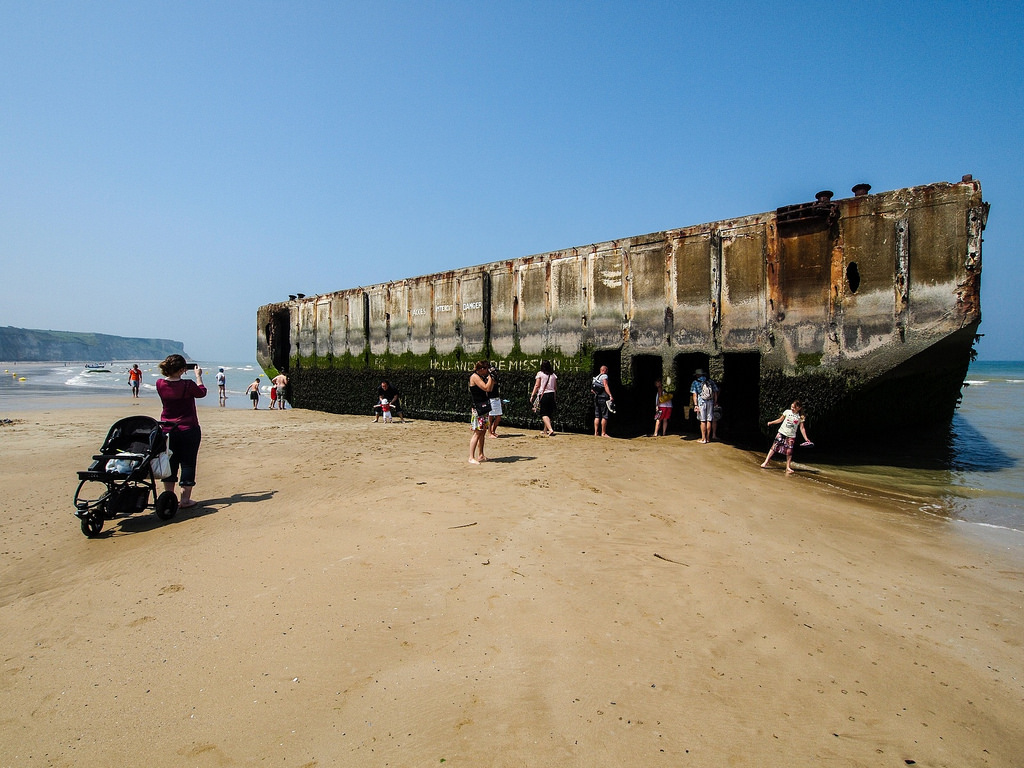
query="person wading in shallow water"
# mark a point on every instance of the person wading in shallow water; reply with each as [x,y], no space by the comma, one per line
[791,420]
[135,379]
[222,388]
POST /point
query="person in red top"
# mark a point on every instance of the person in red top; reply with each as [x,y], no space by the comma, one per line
[135,379]
[181,423]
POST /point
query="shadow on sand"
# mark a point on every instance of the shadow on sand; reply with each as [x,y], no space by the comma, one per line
[509,459]
[141,523]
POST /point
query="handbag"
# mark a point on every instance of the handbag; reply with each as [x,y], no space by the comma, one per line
[535,404]
[483,407]
[161,465]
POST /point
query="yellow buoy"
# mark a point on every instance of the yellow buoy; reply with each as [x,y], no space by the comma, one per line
[22,378]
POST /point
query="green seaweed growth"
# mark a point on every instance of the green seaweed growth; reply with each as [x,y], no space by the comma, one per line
[806,360]
[824,395]
[435,386]
[440,394]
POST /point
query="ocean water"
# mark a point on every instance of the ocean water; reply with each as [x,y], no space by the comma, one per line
[31,386]
[973,473]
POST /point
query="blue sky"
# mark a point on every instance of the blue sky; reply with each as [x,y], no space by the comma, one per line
[166,168]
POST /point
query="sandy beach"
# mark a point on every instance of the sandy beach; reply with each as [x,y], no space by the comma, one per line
[350,593]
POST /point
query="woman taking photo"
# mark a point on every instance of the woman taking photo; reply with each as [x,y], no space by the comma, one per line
[181,423]
[545,385]
[480,386]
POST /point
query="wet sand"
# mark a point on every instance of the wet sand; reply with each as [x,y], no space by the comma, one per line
[351,593]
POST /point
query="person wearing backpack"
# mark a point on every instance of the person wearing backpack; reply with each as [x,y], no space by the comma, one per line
[704,392]
[603,402]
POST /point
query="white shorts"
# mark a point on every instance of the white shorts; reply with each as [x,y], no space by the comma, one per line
[705,410]
[495,406]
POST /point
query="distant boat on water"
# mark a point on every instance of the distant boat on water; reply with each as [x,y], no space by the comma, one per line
[97,368]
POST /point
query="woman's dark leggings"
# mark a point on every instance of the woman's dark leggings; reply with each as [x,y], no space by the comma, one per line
[184,444]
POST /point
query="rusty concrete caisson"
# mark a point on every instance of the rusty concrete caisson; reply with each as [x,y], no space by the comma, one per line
[865,307]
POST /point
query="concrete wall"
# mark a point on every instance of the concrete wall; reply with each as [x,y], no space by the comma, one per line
[858,286]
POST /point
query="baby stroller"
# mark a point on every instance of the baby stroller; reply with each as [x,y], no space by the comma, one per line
[124,474]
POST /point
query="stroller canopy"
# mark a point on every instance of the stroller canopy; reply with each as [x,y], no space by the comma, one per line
[135,434]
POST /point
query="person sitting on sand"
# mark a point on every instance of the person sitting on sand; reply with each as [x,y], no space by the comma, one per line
[791,419]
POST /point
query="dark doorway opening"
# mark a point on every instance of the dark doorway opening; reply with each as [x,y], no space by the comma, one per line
[740,397]
[279,339]
[684,365]
[613,359]
[636,411]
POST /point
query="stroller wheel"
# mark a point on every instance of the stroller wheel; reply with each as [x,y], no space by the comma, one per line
[92,525]
[166,505]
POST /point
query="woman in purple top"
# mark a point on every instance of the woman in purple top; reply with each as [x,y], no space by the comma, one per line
[181,423]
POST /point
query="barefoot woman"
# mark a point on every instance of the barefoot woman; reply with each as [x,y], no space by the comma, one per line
[181,423]
[480,386]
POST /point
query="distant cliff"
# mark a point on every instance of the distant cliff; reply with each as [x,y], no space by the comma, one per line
[28,345]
